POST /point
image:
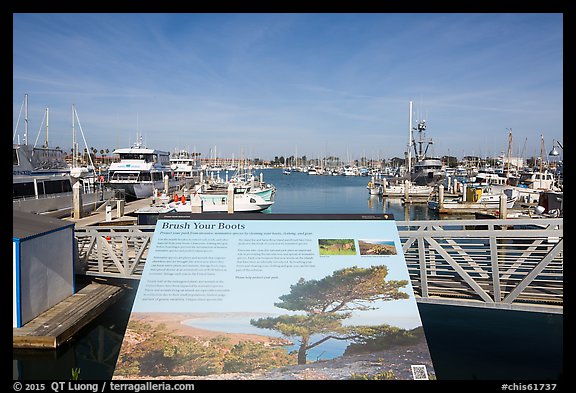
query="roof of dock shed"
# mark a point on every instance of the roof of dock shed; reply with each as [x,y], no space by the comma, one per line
[27,225]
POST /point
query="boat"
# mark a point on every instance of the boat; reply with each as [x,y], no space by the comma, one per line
[242,180]
[485,178]
[183,164]
[473,199]
[530,186]
[398,190]
[426,171]
[375,188]
[201,202]
[42,181]
[550,205]
[140,171]
[395,189]
[244,201]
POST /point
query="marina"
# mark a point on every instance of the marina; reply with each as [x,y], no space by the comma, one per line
[452,259]
[122,244]
[199,128]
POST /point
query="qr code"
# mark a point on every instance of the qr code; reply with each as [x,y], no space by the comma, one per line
[419,372]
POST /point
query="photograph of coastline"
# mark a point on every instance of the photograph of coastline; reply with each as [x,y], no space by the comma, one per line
[226,346]
[377,247]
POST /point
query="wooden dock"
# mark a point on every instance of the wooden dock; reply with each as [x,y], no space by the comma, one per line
[98,217]
[58,324]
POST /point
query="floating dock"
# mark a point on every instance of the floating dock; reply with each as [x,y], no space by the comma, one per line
[58,324]
[116,217]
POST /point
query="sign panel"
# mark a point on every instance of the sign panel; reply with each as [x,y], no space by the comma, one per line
[275,297]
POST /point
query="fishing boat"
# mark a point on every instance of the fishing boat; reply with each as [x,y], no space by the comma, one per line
[140,171]
[473,199]
[426,171]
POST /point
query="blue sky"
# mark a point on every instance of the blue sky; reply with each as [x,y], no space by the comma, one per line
[265,85]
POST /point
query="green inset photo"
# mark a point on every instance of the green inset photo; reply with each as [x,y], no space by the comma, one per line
[336,247]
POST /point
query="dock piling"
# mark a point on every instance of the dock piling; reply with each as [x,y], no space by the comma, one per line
[230,199]
[503,206]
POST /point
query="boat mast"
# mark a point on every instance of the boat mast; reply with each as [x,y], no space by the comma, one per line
[541,157]
[509,151]
[409,164]
[25,119]
[74,152]
[47,118]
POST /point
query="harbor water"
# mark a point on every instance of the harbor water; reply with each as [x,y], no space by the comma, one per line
[466,343]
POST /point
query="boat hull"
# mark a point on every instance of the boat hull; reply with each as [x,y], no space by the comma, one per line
[468,207]
[141,190]
[60,205]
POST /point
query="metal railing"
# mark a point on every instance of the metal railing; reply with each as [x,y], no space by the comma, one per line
[508,264]
[512,264]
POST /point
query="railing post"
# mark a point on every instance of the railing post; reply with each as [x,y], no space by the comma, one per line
[495,270]
[423,273]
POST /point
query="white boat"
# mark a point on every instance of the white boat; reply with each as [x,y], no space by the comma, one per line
[140,171]
[218,202]
[398,189]
[48,191]
[477,199]
[375,188]
[42,180]
[202,203]
[243,180]
[530,186]
[488,178]
[414,190]
[183,165]
[350,171]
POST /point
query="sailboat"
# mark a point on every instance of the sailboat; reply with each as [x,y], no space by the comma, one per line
[42,180]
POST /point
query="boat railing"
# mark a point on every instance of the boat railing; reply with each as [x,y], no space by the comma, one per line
[514,264]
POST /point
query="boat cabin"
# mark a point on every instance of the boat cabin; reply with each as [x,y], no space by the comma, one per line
[536,180]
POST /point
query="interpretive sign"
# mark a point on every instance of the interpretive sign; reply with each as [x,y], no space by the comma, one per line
[271,296]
